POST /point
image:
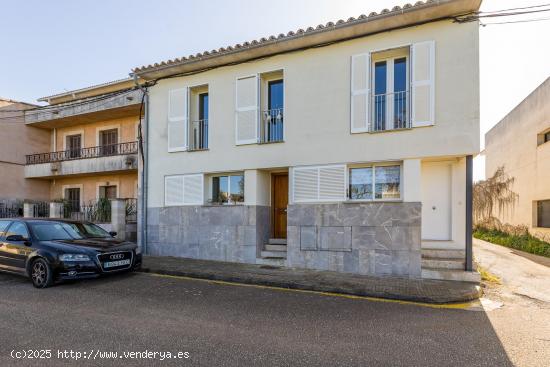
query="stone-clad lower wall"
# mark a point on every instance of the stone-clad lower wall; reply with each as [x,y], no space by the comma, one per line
[227,233]
[362,238]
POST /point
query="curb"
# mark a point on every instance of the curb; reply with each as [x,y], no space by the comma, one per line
[469,296]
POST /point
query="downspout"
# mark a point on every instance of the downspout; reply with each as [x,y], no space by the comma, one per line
[144,148]
[469,213]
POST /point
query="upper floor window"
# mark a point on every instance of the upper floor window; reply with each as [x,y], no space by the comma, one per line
[188,114]
[543,138]
[260,108]
[390,100]
[199,111]
[393,89]
[108,140]
[74,145]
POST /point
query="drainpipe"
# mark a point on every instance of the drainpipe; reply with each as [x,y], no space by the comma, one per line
[144,175]
[469,213]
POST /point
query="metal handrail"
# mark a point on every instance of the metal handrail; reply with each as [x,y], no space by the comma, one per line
[83,153]
[272,127]
[391,111]
[198,135]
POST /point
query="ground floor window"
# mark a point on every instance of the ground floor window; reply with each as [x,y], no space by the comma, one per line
[107,192]
[375,182]
[228,189]
[72,197]
[543,213]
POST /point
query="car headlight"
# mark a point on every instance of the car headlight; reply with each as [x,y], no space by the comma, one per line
[138,250]
[74,257]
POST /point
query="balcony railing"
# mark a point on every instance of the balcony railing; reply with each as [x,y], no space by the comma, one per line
[272,126]
[83,153]
[198,135]
[391,111]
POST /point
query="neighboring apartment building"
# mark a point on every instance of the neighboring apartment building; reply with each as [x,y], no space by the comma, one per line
[521,143]
[345,147]
[92,150]
[17,141]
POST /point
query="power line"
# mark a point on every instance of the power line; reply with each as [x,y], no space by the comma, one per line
[517,21]
[522,8]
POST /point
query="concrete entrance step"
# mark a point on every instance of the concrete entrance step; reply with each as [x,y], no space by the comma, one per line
[442,263]
[457,275]
[446,254]
[277,241]
[274,254]
[275,248]
[271,262]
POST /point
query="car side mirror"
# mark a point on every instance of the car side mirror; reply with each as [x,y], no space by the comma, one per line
[113,233]
[15,238]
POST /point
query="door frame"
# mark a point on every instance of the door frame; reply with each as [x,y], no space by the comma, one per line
[273,175]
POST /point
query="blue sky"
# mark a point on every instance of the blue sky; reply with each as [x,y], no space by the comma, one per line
[52,46]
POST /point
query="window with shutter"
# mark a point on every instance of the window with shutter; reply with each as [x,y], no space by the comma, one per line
[183,190]
[246,110]
[178,115]
[360,71]
[422,86]
[322,183]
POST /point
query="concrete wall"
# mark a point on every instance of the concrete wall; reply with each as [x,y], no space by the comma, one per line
[225,233]
[512,143]
[317,109]
[362,238]
[18,140]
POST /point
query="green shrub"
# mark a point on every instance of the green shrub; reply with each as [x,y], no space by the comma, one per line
[520,240]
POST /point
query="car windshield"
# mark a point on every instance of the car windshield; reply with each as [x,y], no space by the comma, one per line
[48,231]
[89,230]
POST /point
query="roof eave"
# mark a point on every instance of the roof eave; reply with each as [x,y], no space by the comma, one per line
[404,17]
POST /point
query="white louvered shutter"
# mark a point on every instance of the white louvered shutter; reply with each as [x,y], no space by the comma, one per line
[246,110]
[332,183]
[193,190]
[305,184]
[360,71]
[178,113]
[325,183]
[173,190]
[423,84]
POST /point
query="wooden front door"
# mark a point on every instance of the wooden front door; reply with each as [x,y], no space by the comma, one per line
[280,203]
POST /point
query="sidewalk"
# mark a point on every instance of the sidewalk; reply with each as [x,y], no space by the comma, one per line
[418,290]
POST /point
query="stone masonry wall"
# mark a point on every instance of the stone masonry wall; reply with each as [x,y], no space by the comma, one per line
[362,238]
[226,233]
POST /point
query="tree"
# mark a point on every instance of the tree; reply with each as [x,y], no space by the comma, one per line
[493,193]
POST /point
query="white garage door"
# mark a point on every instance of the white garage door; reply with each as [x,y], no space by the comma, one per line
[436,201]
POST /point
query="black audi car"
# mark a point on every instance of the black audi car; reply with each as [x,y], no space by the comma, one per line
[51,250]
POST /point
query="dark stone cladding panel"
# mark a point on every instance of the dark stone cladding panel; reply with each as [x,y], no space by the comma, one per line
[375,238]
[226,233]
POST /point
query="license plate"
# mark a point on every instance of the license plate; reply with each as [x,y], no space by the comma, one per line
[114,264]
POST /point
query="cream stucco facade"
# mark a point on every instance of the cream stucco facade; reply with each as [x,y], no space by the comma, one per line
[518,144]
[319,147]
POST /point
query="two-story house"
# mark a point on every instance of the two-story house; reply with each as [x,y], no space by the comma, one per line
[520,143]
[344,147]
[93,148]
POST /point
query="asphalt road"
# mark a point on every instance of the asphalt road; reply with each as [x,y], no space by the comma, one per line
[230,325]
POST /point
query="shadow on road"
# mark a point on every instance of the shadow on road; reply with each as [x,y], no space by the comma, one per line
[240,325]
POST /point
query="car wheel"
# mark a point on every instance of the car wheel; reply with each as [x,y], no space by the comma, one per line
[41,274]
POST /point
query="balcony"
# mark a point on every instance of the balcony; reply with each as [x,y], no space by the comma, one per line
[272,126]
[391,111]
[121,104]
[198,135]
[100,159]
